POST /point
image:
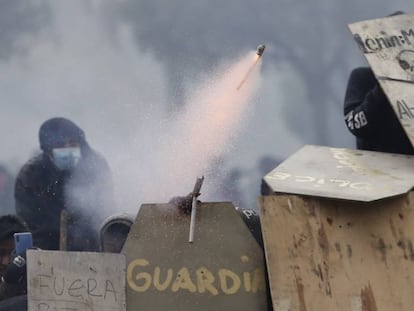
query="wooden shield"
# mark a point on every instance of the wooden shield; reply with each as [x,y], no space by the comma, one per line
[388,45]
[82,281]
[326,255]
[223,269]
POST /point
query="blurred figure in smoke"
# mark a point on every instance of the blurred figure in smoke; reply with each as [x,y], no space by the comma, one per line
[369,115]
[114,233]
[6,192]
[67,176]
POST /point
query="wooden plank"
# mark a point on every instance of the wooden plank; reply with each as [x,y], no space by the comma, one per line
[325,255]
[75,281]
[222,269]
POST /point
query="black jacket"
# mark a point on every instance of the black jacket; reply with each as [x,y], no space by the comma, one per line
[370,117]
[18,303]
[42,191]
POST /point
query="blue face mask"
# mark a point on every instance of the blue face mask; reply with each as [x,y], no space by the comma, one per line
[66,158]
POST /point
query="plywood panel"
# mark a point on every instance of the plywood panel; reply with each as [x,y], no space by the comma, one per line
[326,255]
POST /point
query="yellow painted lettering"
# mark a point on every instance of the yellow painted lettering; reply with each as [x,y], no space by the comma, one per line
[157,283]
[259,282]
[205,280]
[225,275]
[183,281]
[144,276]
[247,281]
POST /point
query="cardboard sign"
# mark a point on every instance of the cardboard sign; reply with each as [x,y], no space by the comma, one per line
[75,281]
[341,173]
[222,269]
[388,45]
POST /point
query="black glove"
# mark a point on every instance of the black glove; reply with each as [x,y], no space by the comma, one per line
[184,204]
[16,271]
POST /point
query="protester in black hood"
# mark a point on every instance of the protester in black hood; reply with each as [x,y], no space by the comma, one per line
[369,115]
[9,225]
[67,176]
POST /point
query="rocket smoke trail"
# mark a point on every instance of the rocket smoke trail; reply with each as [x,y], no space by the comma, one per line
[207,128]
[259,53]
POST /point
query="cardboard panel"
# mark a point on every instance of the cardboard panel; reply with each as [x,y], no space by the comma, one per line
[325,255]
[75,281]
[223,269]
[384,42]
[388,45]
[343,174]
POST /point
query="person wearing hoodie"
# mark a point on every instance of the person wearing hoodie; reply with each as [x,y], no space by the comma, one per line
[12,266]
[68,183]
[370,117]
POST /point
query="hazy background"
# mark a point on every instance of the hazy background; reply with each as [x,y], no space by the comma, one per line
[124,69]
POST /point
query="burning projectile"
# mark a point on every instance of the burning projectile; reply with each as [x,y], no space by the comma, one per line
[259,52]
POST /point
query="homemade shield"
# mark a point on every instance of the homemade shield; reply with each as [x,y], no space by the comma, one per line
[343,174]
[222,269]
[326,254]
[75,281]
[388,45]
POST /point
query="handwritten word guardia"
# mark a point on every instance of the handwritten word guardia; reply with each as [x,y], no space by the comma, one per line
[142,276]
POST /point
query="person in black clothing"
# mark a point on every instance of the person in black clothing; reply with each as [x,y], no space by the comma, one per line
[12,266]
[370,117]
[67,176]
[9,225]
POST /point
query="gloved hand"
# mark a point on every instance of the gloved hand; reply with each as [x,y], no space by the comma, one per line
[16,271]
[184,204]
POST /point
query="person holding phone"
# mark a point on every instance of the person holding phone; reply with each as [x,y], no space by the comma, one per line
[13,263]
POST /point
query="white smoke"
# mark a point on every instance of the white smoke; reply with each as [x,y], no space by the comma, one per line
[117,94]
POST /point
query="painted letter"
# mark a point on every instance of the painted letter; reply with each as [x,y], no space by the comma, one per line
[259,282]
[183,281]
[157,283]
[91,285]
[205,280]
[74,287]
[225,274]
[109,288]
[146,277]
